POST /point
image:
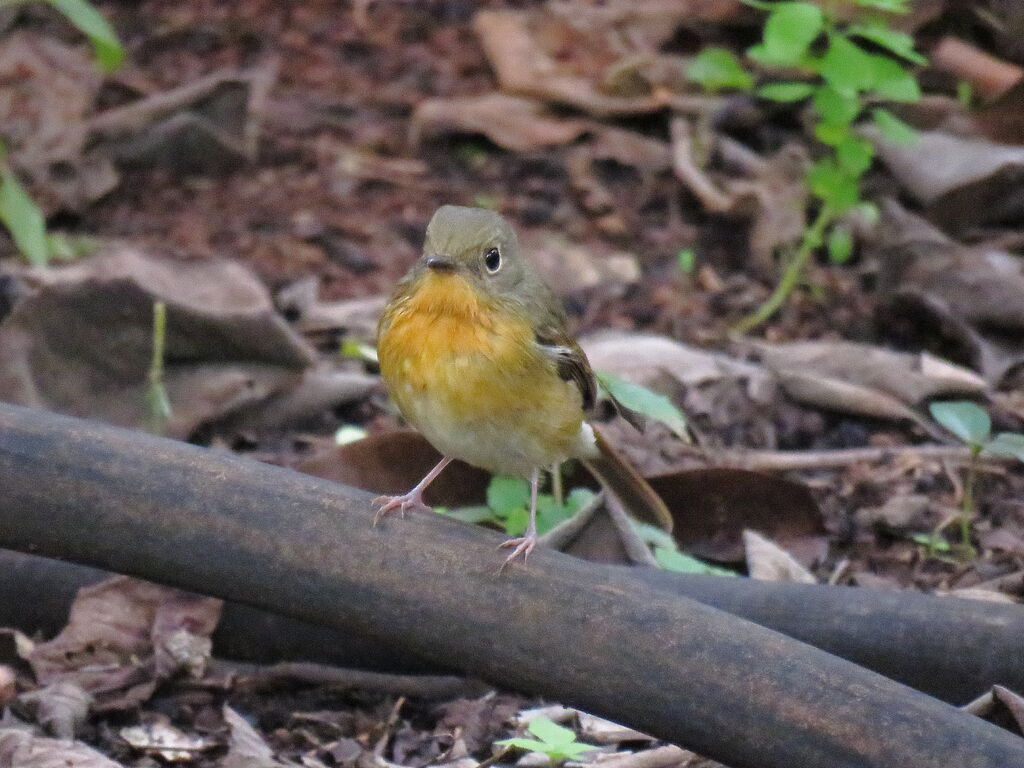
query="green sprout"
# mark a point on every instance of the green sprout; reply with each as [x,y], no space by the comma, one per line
[973,426]
[158,404]
[508,506]
[558,743]
[18,212]
[843,70]
[667,554]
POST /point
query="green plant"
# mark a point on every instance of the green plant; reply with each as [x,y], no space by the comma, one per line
[158,404]
[558,743]
[844,70]
[687,260]
[970,422]
[107,49]
[508,500]
[18,213]
[667,554]
[643,401]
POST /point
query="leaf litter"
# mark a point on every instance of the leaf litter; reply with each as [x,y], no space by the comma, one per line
[560,116]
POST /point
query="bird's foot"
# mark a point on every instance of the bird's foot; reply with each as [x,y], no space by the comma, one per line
[523,546]
[408,502]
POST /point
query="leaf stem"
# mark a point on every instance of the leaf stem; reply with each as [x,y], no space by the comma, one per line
[813,238]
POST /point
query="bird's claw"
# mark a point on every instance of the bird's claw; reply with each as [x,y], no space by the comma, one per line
[523,546]
[408,502]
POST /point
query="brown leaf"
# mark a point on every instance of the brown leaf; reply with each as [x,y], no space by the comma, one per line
[966,182]
[49,88]
[246,748]
[768,561]
[20,749]
[393,462]
[123,635]
[514,123]
[82,343]
[864,379]
[969,299]
[712,508]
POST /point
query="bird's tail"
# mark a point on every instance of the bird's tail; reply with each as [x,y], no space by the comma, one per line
[618,476]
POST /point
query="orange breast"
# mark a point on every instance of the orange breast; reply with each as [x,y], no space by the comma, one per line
[470,376]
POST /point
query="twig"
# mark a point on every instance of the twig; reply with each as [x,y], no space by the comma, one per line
[990,77]
[687,171]
[636,549]
[784,461]
[660,757]
[420,686]
[567,530]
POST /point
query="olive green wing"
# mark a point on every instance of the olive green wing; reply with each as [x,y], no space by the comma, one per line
[570,361]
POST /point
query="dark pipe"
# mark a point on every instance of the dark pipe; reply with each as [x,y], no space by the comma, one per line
[592,637]
[952,649]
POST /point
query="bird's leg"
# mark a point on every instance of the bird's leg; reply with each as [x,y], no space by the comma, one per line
[412,500]
[525,544]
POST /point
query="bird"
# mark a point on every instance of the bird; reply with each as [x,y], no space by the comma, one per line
[475,351]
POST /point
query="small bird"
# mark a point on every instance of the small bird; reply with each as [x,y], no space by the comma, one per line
[474,350]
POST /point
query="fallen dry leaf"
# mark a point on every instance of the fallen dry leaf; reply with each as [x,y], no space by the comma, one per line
[60,708]
[160,738]
[21,749]
[969,299]
[512,122]
[712,507]
[246,748]
[767,561]
[393,462]
[864,379]
[81,343]
[123,635]
[48,90]
[966,182]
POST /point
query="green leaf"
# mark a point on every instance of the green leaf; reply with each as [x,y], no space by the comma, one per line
[933,541]
[550,732]
[785,92]
[967,420]
[965,94]
[855,154]
[898,43]
[1007,444]
[653,535]
[645,402]
[840,245]
[359,350]
[687,260]
[832,134]
[833,185]
[835,107]
[893,82]
[847,67]
[718,69]
[506,495]
[23,219]
[91,23]
[790,29]
[893,128]
[474,514]
[679,562]
[891,6]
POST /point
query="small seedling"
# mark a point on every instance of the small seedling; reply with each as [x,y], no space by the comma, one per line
[158,404]
[508,505]
[687,260]
[18,213]
[843,70]
[969,422]
[558,743]
[667,554]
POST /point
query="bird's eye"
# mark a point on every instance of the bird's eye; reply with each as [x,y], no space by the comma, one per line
[492,260]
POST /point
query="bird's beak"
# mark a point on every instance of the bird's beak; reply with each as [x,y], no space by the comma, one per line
[440,263]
